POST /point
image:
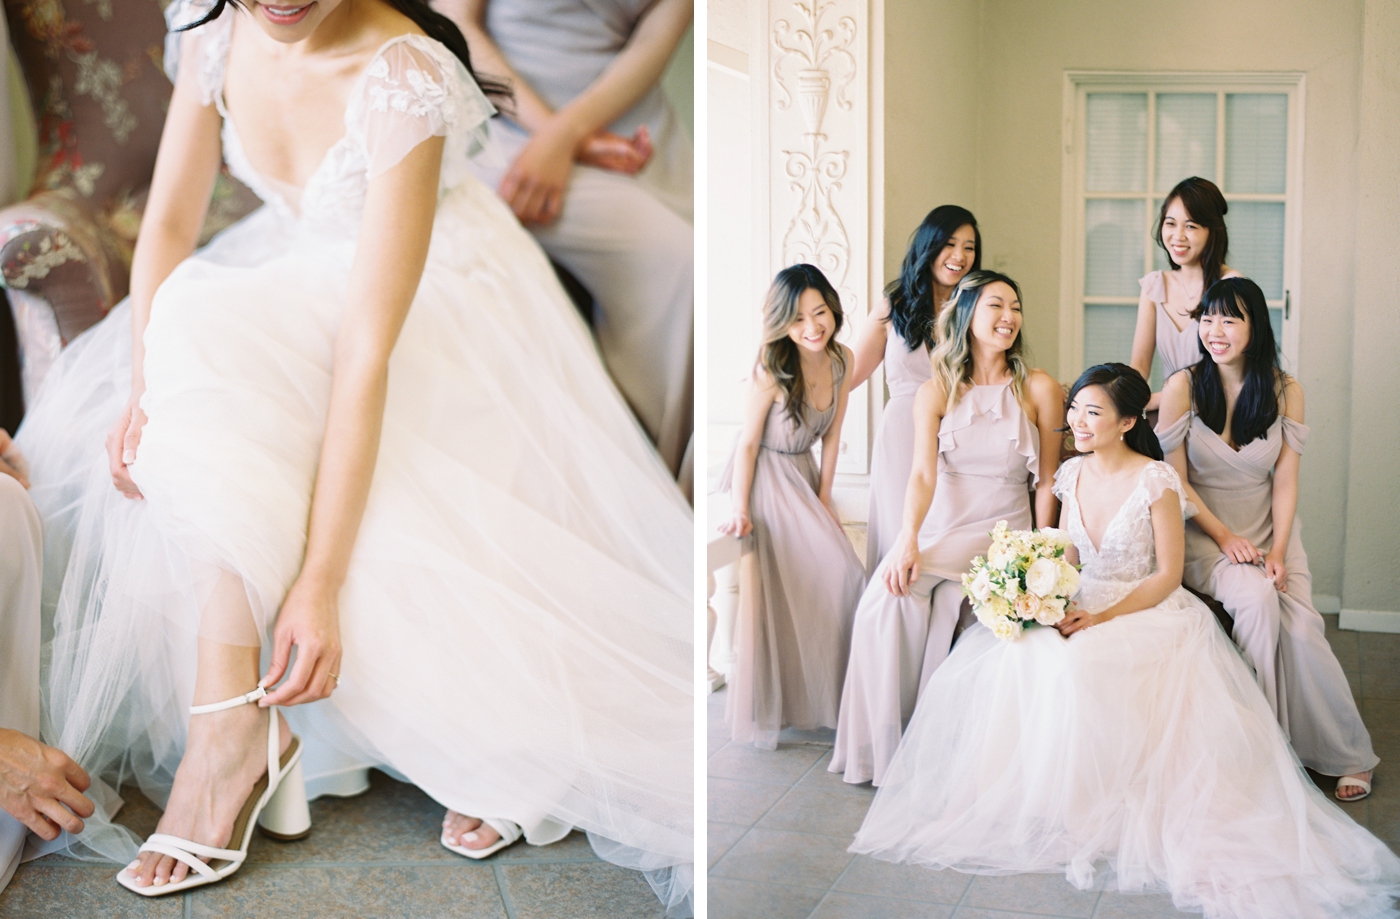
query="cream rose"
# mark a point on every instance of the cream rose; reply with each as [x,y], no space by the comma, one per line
[1006,629]
[1042,576]
[981,587]
[1052,610]
[1028,606]
[1067,581]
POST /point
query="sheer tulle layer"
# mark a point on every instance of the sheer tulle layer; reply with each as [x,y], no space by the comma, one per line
[516,622]
[1142,743]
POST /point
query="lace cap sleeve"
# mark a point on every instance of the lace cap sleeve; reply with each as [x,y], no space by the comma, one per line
[1065,478]
[1159,478]
[415,89]
[204,48]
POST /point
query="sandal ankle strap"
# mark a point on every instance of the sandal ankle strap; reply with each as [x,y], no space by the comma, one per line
[236,701]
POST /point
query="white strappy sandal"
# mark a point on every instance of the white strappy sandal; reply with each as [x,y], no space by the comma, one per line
[510,832]
[277,804]
[1351,781]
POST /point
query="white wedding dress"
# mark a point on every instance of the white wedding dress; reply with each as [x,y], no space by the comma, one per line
[1143,743]
[517,620]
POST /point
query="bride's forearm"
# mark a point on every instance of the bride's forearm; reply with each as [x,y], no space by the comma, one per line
[158,251]
[348,453]
[1146,595]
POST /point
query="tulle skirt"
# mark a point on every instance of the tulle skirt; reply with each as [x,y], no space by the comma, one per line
[517,617]
[1142,743]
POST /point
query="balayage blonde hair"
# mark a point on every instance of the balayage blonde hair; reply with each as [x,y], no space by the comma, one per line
[778,355]
[952,357]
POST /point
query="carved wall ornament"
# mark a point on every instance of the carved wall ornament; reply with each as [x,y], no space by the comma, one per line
[816,233]
[812,59]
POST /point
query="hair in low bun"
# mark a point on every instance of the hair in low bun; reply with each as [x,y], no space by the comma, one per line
[1129,392]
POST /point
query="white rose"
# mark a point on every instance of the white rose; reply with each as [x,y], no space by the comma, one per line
[1006,629]
[1042,576]
[981,587]
[1068,580]
[1012,590]
[997,608]
[1000,555]
[1051,611]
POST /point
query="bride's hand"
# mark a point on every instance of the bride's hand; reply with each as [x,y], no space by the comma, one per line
[903,571]
[122,442]
[310,620]
[1077,620]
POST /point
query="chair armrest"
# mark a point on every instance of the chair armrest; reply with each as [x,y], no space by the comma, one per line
[51,246]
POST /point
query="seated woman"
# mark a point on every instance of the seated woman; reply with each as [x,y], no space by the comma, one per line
[978,426]
[367,424]
[1131,734]
[1232,426]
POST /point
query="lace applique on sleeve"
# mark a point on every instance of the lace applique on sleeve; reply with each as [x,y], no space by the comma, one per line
[1159,478]
[1065,478]
[204,48]
[415,89]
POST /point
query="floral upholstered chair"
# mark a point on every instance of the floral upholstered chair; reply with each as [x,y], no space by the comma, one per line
[95,75]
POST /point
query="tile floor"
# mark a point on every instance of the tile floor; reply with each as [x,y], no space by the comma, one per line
[779,824]
[375,855]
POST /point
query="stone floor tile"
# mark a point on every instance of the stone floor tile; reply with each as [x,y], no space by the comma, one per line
[817,777]
[782,766]
[715,739]
[1113,905]
[1382,716]
[743,803]
[907,882]
[859,906]
[809,810]
[350,893]
[39,891]
[1354,684]
[1383,819]
[720,838]
[778,857]
[1041,894]
[730,899]
[392,822]
[137,812]
[598,891]
[974,912]
[574,847]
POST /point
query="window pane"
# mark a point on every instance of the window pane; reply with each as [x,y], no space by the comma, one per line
[1108,333]
[1113,242]
[1185,138]
[1116,142]
[1159,255]
[1276,320]
[1256,142]
[1256,244]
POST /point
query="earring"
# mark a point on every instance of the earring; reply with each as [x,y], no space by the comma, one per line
[1120,436]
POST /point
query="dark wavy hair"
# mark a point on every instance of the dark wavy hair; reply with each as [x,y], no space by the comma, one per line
[1129,392]
[911,294]
[779,354]
[1257,404]
[1206,206]
[435,25]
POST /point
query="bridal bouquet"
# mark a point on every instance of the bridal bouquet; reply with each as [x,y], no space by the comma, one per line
[1023,580]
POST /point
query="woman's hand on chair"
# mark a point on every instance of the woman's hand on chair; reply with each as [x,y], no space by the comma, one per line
[122,442]
[310,620]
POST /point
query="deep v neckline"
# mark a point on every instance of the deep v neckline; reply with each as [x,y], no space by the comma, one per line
[1079,514]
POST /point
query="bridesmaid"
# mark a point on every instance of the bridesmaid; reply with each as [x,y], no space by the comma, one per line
[945,247]
[978,426]
[1191,229]
[799,577]
[1232,425]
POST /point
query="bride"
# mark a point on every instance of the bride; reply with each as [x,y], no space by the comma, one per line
[365,424]
[1134,735]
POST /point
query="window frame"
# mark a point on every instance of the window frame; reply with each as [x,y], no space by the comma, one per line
[1077,85]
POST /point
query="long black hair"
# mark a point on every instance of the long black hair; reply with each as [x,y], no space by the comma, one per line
[779,355]
[1206,207]
[1257,404]
[911,294]
[435,25]
[1129,392]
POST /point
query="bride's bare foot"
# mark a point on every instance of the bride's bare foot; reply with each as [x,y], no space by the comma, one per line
[224,758]
[1348,792]
[468,832]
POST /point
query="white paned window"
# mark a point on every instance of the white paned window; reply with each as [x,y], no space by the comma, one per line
[1241,131]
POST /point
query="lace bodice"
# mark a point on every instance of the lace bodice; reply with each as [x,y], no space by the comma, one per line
[1128,551]
[412,89]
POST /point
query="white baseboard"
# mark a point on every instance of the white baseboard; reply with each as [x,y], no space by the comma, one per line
[1326,603]
[1365,620]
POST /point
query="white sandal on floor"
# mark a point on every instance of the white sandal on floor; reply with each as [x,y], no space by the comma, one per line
[510,832]
[1351,781]
[277,803]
